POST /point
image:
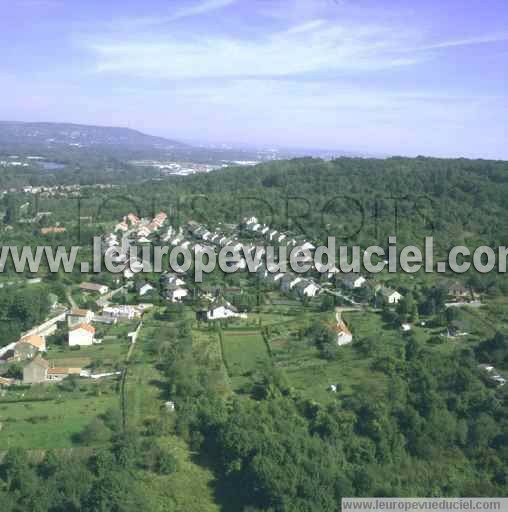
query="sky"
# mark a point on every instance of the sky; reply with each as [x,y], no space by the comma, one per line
[405,77]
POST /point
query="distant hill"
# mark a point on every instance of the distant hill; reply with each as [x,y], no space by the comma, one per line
[18,134]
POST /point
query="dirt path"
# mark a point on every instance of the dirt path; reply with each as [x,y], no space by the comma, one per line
[70,299]
[339,310]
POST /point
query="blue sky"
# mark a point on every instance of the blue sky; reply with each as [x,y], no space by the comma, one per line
[385,76]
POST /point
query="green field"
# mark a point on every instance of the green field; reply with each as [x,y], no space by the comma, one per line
[53,423]
[312,375]
[49,416]
[244,351]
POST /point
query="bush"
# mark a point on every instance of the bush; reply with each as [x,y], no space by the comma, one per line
[95,432]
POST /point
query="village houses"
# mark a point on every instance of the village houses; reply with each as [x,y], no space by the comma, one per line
[81,335]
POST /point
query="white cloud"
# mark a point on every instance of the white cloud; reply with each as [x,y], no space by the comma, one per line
[468,41]
[202,7]
[309,48]
[146,22]
[306,27]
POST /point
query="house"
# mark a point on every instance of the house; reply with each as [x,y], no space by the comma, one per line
[60,373]
[143,232]
[122,226]
[36,371]
[175,293]
[391,296]
[250,221]
[133,219]
[221,312]
[177,240]
[28,347]
[160,219]
[281,237]
[289,281]
[172,280]
[144,288]
[353,280]
[81,335]
[405,327]
[344,335]
[458,291]
[79,316]
[122,312]
[456,329]
[101,319]
[307,288]
[101,289]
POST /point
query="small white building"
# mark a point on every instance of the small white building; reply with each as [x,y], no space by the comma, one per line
[289,281]
[81,335]
[176,294]
[344,335]
[172,280]
[222,312]
[307,289]
[144,289]
[101,289]
[250,221]
[122,312]
[353,280]
[391,296]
